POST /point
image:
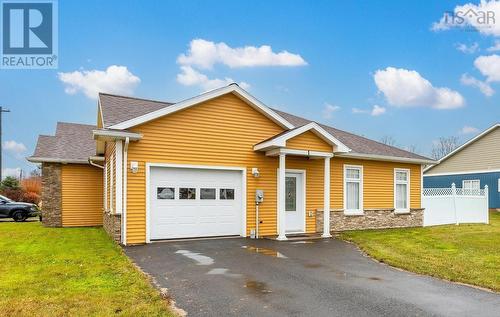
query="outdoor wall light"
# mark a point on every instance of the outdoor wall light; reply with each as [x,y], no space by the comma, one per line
[255,172]
[134,166]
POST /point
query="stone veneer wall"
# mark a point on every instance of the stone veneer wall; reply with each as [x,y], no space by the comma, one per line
[51,195]
[112,224]
[371,219]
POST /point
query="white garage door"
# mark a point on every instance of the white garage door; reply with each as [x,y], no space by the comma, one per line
[188,202]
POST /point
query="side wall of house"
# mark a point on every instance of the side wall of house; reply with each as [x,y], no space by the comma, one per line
[82,195]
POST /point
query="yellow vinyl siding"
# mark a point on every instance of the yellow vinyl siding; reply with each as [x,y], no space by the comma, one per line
[82,195]
[378,183]
[220,132]
[308,141]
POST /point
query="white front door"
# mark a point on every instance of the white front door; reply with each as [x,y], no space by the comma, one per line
[294,202]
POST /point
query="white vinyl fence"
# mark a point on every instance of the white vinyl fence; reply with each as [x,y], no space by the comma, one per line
[455,205]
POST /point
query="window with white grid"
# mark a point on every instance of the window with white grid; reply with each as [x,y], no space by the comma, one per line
[402,189]
[353,189]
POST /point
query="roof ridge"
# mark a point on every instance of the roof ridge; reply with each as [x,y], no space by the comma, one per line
[136,98]
[74,123]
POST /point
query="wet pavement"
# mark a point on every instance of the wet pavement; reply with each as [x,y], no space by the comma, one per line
[243,277]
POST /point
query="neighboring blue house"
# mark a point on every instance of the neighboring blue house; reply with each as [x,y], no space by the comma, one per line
[472,165]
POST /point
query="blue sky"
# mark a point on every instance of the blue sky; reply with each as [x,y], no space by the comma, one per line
[344,58]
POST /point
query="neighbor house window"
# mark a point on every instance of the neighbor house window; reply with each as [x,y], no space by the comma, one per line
[353,189]
[402,189]
[187,193]
[207,193]
[165,193]
[471,186]
[226,194]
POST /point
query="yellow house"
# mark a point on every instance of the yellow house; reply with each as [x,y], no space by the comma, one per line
[222,164]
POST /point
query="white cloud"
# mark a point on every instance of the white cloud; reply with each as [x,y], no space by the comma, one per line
[467,49]
[205,54]
[468,130]
[484,87]
[495,47]
[377,110]
[329,109]
[115,79]
[489,66]
[14,172]
[482,17]
[14,147]
[407,88]
[191,77]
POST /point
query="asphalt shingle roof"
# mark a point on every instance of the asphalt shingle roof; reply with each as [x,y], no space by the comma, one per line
[72,141]
[116,109]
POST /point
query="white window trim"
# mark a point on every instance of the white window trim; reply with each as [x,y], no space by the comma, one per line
[471,180]
[353,212]
[408,184]
[498,185]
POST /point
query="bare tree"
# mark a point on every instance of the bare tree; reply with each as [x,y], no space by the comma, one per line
[444,146]
[412,148]
[388,140]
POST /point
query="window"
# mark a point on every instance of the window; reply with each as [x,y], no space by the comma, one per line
[401,190]
[498,185]
[187,193]
[471,186]
[291,194]
[226,194]
[207,193]
[353,189]
[165,193]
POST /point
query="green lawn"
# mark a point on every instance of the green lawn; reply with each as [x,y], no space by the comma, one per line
[465,253]
[70,272]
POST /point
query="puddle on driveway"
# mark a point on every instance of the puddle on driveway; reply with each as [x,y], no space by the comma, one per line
[373,278]
[303,242]
[224,272]
[198,257]
[257,287]
[265,251]
[313,265]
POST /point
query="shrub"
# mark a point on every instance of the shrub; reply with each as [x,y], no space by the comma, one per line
[15,194]
[30,197]
[32,185]
[10,182]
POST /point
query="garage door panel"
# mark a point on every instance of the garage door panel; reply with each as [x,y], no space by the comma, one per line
[172,217]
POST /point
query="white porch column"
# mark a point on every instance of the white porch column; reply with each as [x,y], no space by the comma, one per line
[281,197]
[119,176]
[326,203]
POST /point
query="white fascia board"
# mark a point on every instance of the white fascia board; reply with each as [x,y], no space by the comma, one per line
[117,135]
[276,152]
[376,157]
[463,172]
[458,149]
[232,88]
[280,141]
[37,159]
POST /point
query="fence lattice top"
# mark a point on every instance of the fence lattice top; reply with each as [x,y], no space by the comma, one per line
[458,191]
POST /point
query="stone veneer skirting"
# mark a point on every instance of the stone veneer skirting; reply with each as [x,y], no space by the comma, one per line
[371,219]
[112,224]
[51,195]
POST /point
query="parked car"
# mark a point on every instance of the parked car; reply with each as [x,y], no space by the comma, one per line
[17,210]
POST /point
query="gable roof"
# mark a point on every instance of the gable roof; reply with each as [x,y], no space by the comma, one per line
[171,108]
[116,117]
[280,139]
[466,144]
[72,143]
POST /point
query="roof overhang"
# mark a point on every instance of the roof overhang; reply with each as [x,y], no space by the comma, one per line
[280,140]
[375,157]
[110,135]
[37,159]
[232,88]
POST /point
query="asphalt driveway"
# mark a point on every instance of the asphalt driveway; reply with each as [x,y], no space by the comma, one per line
[242,277]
